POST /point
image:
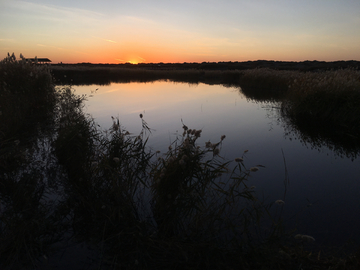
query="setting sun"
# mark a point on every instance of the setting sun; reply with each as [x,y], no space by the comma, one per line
[132,133]
[180,31]
[132,59]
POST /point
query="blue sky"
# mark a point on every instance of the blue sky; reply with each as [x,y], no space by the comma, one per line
[181,31]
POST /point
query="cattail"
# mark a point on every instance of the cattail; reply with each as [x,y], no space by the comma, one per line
[279,202]
[305,237]
[308,238]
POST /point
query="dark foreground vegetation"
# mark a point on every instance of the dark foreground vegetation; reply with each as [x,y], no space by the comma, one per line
[63,179]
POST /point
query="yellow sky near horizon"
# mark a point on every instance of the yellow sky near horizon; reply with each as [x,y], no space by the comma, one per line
[180,31]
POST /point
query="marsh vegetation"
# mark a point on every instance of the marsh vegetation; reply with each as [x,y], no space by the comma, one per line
[63,177]
[329,98]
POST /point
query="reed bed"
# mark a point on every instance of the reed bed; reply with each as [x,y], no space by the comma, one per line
[328,99]
[266,85]
[106,75]
[26,94]
[27,102]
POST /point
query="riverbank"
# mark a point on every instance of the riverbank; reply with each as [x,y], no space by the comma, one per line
[326,97]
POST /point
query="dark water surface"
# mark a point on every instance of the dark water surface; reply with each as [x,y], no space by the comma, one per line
[323,194]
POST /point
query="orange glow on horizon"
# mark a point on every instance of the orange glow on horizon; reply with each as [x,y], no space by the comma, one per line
[135,53]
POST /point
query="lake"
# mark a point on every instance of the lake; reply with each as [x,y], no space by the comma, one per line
[322,196]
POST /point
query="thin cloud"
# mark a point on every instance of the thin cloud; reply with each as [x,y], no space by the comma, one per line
[55,13]
[138,20]
[142,59]
[108,40]
[7,39]
[42,45]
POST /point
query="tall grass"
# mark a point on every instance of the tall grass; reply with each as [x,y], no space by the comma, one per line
[29,223]
[266,84]
[27,100]
[328,99]
[147,210]
[26,94]
[185,208]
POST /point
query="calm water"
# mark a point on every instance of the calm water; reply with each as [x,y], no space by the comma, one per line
[323,195]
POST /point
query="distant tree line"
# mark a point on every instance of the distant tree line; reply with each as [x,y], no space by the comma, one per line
[278,65]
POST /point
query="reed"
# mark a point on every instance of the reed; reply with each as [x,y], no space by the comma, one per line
[75,75]
[26,95]
[328,99]
[266,85]
[139,205]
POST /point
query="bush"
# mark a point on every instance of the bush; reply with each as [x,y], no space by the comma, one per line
[26,95]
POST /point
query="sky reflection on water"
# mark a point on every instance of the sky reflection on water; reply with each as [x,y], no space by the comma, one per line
[322,198]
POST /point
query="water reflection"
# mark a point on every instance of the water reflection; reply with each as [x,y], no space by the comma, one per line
[166,104]
[322,186]
[311,134]
[259,94]
[213,108]
[317,137]
[322,195]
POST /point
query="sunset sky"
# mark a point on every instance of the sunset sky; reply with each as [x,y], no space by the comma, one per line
[150,31]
